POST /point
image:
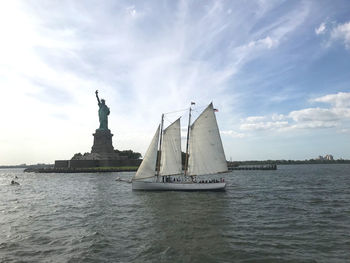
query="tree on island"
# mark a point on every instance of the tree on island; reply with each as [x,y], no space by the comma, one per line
[77,156]
[129,154]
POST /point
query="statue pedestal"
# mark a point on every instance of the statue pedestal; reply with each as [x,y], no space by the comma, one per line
[103,142]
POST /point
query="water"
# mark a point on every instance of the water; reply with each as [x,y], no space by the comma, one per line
[298,213]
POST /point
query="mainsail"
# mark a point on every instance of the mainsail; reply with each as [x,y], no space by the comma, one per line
[170,162]
[148,165]
[206,153]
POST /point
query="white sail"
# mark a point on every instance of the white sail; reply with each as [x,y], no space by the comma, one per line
[170,161]
[206,153]
[148,165]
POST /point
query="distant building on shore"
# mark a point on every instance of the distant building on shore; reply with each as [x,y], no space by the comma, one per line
[327,157]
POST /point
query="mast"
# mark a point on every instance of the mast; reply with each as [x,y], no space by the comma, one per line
[187,140]
[160,145]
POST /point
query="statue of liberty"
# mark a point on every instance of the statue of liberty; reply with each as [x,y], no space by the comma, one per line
[103,113]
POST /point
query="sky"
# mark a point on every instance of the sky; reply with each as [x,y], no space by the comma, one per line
[277,71]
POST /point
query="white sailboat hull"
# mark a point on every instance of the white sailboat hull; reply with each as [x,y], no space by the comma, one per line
[177,186]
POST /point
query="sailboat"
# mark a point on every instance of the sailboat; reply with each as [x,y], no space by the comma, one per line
[161,168]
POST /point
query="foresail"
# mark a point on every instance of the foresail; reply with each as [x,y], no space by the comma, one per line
[148,165]
[206,153]
[170,161]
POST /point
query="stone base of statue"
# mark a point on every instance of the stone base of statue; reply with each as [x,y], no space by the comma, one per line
[102,142]
[103,147]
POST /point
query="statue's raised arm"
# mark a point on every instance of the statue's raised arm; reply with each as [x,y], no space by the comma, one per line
[98,99]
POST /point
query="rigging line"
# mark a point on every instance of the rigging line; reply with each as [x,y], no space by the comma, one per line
[176,111]
[186,109]
[168,120]
[199,108]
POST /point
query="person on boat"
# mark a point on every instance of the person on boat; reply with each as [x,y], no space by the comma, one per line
[14,182]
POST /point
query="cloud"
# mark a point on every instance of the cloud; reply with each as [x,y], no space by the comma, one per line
[314,118]
[342,32]
[131,10]
[255,119]
[339,100]
[278,117]
[313,124]
[321,29]
[266,42]
[345,130]
[310,118]
[314,114]
[233,134]
[268,125]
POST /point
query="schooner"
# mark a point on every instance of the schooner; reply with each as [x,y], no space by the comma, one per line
[204,156]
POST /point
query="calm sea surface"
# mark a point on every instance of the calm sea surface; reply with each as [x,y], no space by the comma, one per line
[299,213]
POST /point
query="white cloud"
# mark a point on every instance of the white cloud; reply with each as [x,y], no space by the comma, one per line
[314,114]
[339,100]
[321,29]
[269,125]
[266,42]
[255,119]
[267,37]
[314,125]
[345,130]
[335,115]
[233,134]
[131,10]
[309,118]
[342,32]
[278,117]
[263,123]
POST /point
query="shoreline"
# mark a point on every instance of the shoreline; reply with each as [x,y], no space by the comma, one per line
[82,170]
